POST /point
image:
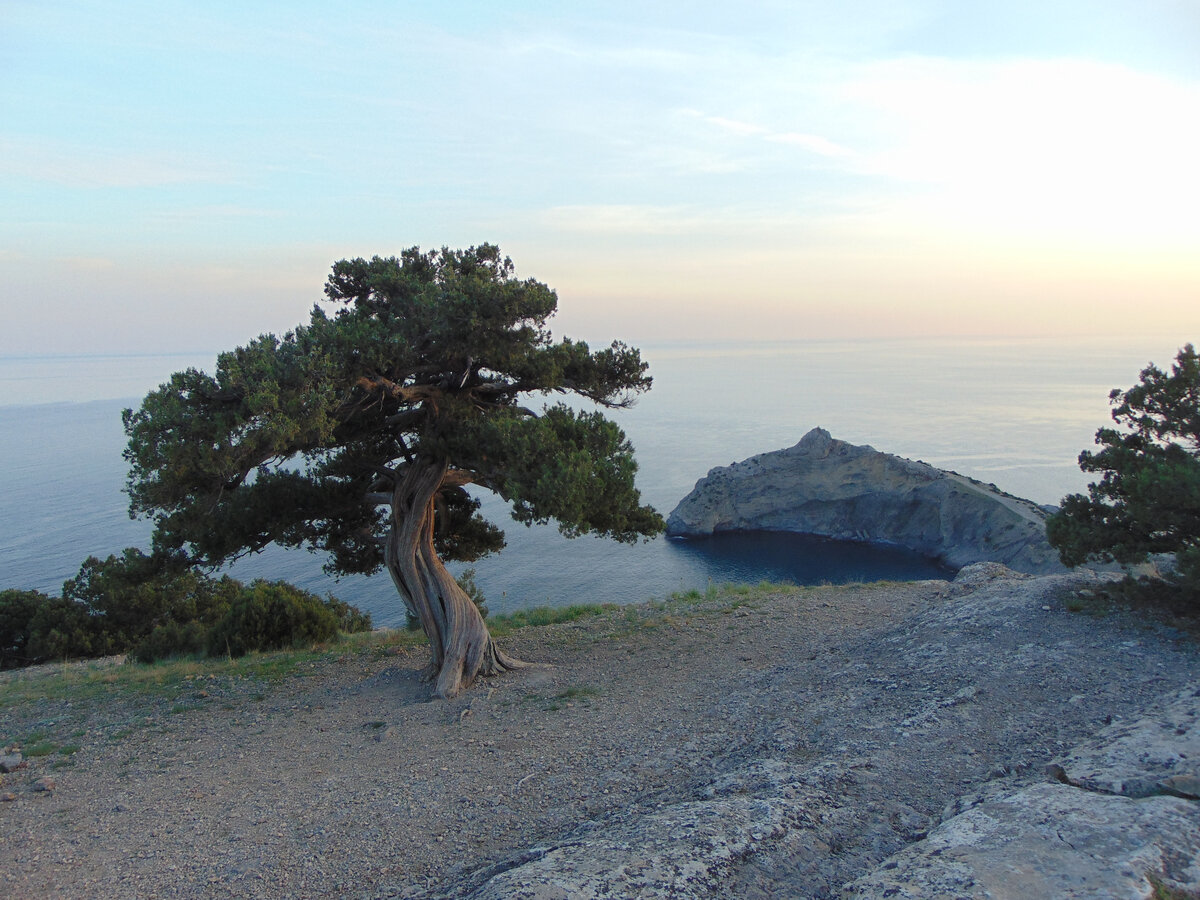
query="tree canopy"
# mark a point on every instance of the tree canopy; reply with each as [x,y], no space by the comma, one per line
[1147,499]
[357,433]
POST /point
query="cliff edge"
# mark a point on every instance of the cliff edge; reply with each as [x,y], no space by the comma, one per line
[830,488]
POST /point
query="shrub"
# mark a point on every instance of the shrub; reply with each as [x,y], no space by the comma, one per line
[131,595]
[351,619]
[271,615]
[35,627]
[157,607]
[16,609]
[61,629]
[172,639]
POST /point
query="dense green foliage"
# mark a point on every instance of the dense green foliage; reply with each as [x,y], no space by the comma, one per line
[358,434]
[153,609]
[1147,499]
[126,597]
[35,627]
[424,359]
[271,616]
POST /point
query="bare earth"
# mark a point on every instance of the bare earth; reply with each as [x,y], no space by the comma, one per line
[895,698]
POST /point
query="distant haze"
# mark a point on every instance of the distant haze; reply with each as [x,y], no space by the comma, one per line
[178,177]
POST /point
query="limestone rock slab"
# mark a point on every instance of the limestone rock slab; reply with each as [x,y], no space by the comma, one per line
[1120,810]
[1048,840]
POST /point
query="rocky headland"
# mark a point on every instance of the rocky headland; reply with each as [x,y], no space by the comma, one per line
[826,487]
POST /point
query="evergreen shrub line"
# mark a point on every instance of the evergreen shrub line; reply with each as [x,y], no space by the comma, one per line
[151,609]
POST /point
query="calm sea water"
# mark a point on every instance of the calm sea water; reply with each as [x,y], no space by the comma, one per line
[1012,412]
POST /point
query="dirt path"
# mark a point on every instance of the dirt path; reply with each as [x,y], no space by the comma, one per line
[349,782]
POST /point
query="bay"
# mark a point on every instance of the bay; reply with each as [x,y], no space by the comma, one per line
[1011,412]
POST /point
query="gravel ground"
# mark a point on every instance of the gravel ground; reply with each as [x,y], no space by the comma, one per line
[345,779]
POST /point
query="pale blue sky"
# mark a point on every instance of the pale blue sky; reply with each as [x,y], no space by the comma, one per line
[179,176]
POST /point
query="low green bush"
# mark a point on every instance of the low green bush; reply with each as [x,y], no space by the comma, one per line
[172,639]
[272,615]
[155,607]
[35,628]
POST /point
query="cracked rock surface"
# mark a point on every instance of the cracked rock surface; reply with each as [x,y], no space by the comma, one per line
[1121,808]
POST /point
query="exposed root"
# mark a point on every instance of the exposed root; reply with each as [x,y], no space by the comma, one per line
[498,662]
[456,673]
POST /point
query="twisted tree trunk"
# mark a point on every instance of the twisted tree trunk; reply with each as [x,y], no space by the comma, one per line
[461,646]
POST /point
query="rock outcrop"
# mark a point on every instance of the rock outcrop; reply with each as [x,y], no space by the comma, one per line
[1118,814]
[829,488]
[832,799]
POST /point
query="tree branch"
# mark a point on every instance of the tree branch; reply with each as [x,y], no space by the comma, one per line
[409,394]
[458,478]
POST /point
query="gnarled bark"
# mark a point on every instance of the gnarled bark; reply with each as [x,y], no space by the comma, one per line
[461,646]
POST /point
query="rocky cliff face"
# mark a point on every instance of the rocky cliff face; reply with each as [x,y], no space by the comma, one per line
[826,487]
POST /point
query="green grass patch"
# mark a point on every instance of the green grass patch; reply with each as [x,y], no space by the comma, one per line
[1163,891]
[544,615]
[39,748]
[102,680]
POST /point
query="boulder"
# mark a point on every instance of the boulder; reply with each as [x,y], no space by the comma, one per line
[829,488]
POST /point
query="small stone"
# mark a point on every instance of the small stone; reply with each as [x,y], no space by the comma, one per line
[1184,785]
[1055,772]
[1045,609]
[7,798]
[45,784]
[10,762]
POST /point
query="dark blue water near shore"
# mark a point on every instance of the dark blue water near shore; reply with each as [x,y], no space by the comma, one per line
[1015,413]
[63,501]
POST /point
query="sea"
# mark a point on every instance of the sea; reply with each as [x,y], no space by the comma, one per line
[1012,412]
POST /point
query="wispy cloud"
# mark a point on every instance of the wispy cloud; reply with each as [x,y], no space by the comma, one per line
[645,220]
[78,166]
[813,143]
[215,212]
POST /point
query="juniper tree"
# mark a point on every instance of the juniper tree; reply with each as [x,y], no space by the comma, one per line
[358,433]
[1147,498]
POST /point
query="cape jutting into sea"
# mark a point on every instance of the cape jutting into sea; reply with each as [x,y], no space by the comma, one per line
[1015,413]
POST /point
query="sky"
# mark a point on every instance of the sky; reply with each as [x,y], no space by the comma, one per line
[179,176]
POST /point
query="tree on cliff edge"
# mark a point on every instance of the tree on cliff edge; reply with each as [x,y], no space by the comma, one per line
[1147,499]
[357,433]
